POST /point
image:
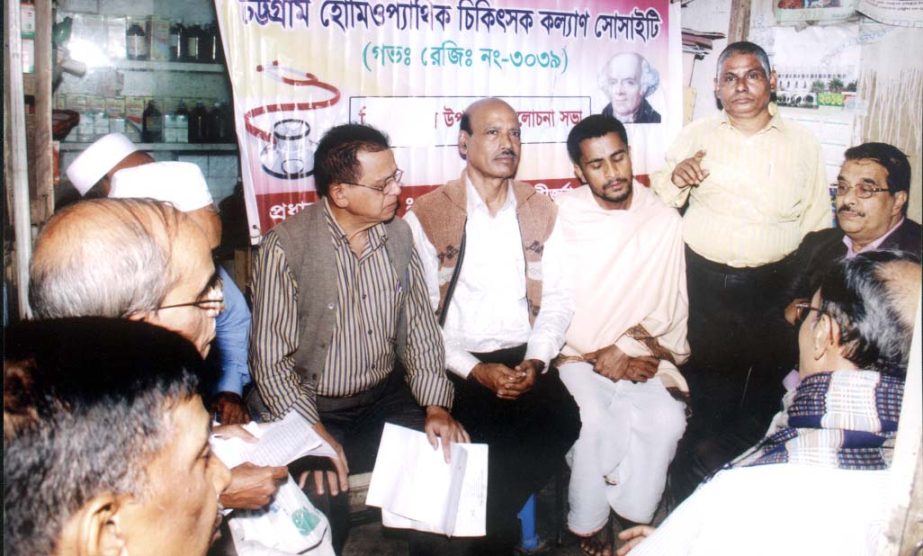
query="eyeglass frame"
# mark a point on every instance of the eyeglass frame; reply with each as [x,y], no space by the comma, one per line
[802,310]
[863,191]
[214,283]
[394,178]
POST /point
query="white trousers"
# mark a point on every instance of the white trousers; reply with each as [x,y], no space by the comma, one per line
[626,444]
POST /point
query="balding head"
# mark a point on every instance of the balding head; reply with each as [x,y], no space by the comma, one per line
[124,258]
[105,258]
[874,297]
[489,139]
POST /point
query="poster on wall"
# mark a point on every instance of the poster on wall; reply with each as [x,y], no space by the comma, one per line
[905,13]
[410,68]
[817,66]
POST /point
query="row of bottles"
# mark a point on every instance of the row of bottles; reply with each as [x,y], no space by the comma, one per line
[186,43]
[198,125]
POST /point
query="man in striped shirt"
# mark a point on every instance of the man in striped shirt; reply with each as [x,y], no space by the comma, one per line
[338,298]
[755,186]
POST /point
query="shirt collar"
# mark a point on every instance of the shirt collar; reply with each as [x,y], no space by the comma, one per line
[475,203]
[377,233]
[851,252]
[775,119]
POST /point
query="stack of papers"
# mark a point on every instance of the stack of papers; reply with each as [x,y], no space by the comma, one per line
[416,489]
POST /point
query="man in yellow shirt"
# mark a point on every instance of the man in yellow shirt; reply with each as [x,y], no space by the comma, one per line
[753,185]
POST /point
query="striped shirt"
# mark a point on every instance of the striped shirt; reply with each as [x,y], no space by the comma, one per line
[363,347]
[764,192]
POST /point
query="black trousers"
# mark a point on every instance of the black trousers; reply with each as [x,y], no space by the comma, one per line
[741,350]
[357,424]
[527,440]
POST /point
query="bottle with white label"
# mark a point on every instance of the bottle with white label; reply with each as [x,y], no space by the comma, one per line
[136,43]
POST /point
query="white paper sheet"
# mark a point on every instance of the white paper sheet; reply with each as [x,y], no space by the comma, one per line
[417,489]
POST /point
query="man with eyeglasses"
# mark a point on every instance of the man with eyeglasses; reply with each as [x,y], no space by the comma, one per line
[139,259]
[819,481]
[338,300]
[114,157]
[182,185]
[753,186]
[871,208]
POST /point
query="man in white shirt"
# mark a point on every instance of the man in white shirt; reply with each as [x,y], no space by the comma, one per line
[493,264]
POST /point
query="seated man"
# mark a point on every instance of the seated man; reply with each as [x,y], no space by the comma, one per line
[508,315]
[627,336]
[871,209]
[94,173]
[139,260]
[342,330]
[816,483]
[182,185]
[105,441]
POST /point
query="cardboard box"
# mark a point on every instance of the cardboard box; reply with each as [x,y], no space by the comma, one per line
[134,108]
[96,103]
[115,107]
[115,37]
[77,102]
[158,31]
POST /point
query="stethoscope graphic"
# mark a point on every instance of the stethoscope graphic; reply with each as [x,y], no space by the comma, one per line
[288,151]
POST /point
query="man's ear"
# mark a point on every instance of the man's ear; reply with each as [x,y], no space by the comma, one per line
[825,335]
[140,317]
[579,173]
[900,199]
[463,144]
[337,195]
[94,529]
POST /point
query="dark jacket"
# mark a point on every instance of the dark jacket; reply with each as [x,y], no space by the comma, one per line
[820,250]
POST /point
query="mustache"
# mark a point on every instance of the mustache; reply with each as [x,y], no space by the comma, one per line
[849,209]
[616,181]
[508,152]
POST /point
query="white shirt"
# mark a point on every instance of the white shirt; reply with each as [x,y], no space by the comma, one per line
[777,509]
[488,310]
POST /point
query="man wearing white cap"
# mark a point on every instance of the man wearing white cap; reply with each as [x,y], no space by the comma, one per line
[183,185]
[91,172]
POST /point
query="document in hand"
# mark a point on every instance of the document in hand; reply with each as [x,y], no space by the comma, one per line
[416,489]
[290,524]
[278,443]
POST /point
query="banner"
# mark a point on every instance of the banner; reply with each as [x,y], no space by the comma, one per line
[410,68]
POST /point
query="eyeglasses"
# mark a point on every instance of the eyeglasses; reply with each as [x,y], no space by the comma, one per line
[211,298]
[863,190]
[802,310]
[393,179]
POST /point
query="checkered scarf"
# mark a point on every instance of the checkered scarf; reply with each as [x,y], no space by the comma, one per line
[839,419]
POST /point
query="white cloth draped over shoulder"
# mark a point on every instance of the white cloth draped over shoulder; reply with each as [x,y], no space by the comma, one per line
[628,268]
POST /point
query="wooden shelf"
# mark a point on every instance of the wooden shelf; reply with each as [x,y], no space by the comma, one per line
[144,65]
[71,146]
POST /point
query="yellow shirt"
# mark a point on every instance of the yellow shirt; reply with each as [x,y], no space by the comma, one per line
[762,195]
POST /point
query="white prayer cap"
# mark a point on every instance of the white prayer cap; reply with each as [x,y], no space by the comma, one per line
[179,183]
[100,157]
